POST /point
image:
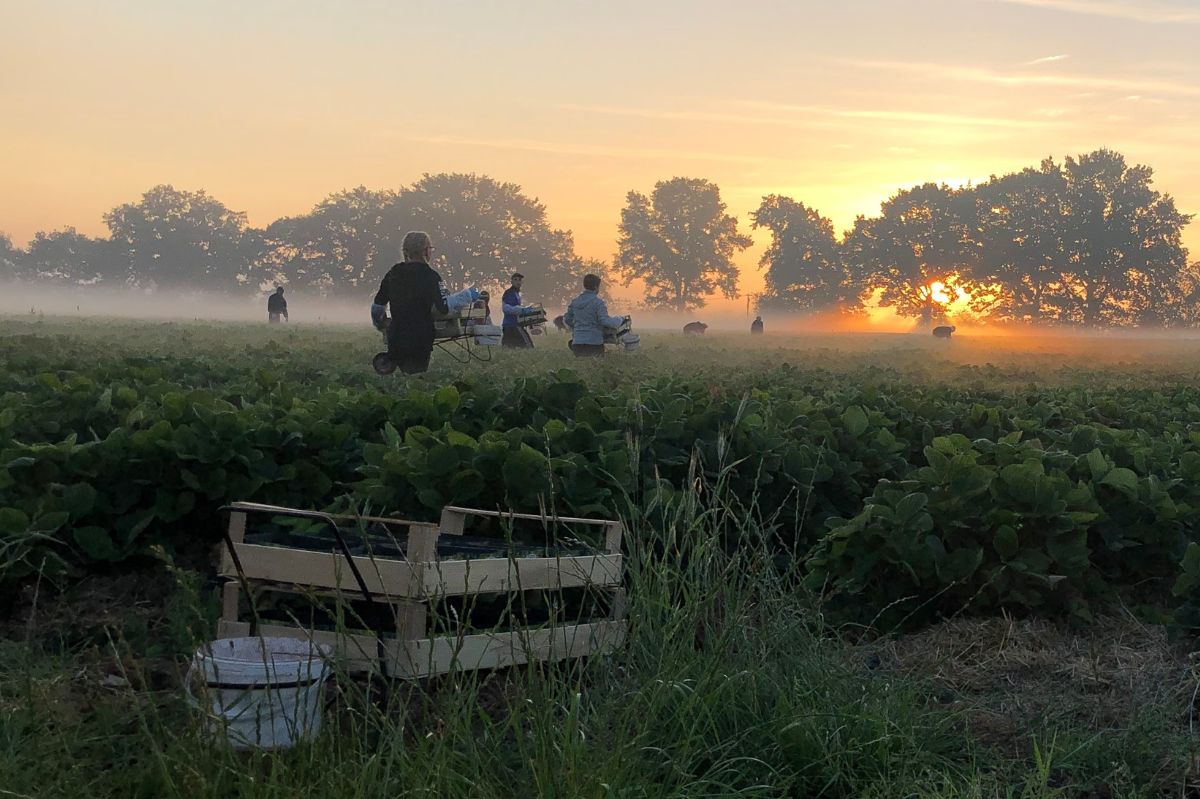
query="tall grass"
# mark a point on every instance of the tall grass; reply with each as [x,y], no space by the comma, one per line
[728,685]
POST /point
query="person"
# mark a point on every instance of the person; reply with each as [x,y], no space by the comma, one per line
[756,327]
[514,335]
[587,316]
[412,289]
[277,306]
[486,298]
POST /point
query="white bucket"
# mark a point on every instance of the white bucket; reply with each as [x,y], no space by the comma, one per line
[262,692]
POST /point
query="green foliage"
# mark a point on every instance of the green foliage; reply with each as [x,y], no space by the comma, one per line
[906,498]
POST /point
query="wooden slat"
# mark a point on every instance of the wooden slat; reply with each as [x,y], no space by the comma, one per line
[547,517]
[422,543]
[229,600]
[432,656]
[612,537]
[453,521]
[323,569]
[227,628]
[357,652]
[620,604]
[500,575]
[397,578]
[261,508]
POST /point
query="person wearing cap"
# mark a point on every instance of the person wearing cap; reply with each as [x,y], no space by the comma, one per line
[276,306]
[514,335]
[413,290]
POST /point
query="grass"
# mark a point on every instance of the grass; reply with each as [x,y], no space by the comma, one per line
[731,683]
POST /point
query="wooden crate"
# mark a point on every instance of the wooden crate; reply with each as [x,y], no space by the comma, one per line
[406,582]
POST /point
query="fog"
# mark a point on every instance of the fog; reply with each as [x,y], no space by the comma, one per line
[25,301]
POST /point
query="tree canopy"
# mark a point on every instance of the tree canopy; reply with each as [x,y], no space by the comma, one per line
[680,241]
[1089,241]
[804,266]
[180,239]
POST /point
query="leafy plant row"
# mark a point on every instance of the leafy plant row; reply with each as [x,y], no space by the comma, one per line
[900,501]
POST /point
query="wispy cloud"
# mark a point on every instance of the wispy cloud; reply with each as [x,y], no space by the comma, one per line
[1154,11]
[789,115]
[981,75]
[560,148]
[923,117]
[1045,60]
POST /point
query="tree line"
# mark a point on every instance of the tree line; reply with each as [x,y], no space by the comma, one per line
[172,239]
[1088,241]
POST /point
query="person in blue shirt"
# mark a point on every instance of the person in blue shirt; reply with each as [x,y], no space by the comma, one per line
[587,316]
[514,335]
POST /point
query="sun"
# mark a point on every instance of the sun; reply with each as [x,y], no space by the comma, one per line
[947,293]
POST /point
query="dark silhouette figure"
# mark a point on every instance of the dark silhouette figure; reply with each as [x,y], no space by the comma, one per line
[695,328]
[559,324]
[413,290]
[277,306]
[943,331]
[756,327]
[515,336]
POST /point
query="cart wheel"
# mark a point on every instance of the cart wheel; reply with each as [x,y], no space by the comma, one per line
[383,364]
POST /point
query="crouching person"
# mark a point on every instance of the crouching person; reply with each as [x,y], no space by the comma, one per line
[587,317]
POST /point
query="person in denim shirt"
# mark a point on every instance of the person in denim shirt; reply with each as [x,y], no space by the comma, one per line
[587,316]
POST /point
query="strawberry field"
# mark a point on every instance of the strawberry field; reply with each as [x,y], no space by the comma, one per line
[900,481]
[856,565]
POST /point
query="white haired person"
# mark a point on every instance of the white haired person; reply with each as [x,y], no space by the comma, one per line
[412,289]
[587,316]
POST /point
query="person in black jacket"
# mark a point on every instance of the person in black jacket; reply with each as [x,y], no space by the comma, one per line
[413,290]
[276,306]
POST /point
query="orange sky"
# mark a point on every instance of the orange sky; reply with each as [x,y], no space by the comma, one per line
[272,105]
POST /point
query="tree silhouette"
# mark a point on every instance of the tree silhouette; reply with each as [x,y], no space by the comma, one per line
[334,249]
[1022,227]
[178,239]
[680,241]
[1122,242]
[924,234]
[804,263]
[483,230]
[11,259]
[67,257]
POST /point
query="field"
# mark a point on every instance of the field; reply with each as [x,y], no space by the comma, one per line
[859,565]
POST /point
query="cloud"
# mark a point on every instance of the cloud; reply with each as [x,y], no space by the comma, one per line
[790,118]
[1152,11]
[902,116]
[558,148]
[1045,60]
[981,75]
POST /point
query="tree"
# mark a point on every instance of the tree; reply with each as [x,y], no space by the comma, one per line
[924,235]
[804,263]
[483,230]
[1022,226]
[337,248]
[181,239]
[1122,243]
[67,257]
[680,241]
[11,259]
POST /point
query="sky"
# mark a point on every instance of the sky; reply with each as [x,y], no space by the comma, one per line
[270,106]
